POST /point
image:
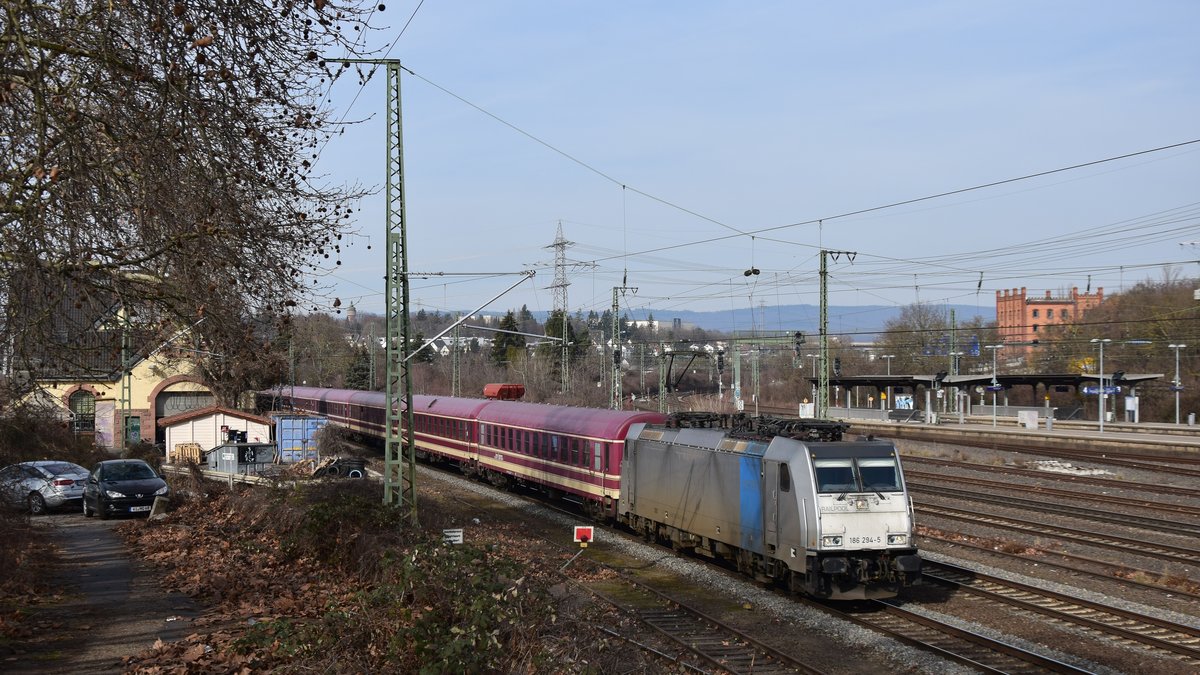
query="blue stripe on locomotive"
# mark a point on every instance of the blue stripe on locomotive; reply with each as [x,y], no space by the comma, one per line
[751,507]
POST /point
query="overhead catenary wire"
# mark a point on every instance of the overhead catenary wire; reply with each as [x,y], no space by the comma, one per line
[1115,243]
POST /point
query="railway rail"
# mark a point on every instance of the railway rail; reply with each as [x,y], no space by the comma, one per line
[1163,637]
[1126,545]
[1121,574]
[1158,463]
[1174,511]
[1158,525]
[716,643]
[1114,483]
[963,646]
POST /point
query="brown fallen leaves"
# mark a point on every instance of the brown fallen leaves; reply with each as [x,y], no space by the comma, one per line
[296,582]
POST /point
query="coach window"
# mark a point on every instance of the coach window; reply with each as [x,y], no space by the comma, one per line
[785,478]
[597,455]
[573,445]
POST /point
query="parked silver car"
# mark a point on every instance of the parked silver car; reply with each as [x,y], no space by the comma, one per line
[41,485]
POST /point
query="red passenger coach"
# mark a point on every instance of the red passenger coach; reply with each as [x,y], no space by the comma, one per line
[570,453]
[566,452]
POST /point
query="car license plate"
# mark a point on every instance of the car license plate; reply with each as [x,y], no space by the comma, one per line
[138,508]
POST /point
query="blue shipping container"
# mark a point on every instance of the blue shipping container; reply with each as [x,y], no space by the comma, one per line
[295,435]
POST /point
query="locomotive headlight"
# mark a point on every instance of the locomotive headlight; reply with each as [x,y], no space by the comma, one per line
[831,541]
[897,540]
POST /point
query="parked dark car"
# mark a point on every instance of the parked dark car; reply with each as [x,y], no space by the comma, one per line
[42,485]
[122,486]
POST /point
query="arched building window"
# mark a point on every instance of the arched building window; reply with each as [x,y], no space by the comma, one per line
[83,410]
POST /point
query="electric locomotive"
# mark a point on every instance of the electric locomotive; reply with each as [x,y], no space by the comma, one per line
[786,501]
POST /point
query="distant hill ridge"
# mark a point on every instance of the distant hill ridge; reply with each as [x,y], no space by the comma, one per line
[859,322]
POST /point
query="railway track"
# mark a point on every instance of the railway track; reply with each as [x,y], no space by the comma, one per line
[1158,463]
[957,644]
[1113,483]
[1158,525]
[1125,545]
[1174,511]
[1163,637]
[715,643]
[1124,575]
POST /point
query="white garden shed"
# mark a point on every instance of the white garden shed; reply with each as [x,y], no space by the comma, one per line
[206,428]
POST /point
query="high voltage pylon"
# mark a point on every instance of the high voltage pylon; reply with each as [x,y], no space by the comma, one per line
[560,301]
[560,298]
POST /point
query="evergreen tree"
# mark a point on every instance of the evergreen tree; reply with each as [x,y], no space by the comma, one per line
[426,355]
[358,375]
[506,345]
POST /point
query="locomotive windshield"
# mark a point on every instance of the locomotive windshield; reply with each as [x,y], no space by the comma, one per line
[856,475]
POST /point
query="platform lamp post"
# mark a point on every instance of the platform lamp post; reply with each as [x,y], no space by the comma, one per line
[1103,394]
[1178,385]
[889,358]
[995,383]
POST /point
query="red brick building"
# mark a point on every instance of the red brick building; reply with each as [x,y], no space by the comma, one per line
[1020,318]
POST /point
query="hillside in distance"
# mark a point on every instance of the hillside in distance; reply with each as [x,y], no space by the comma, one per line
[859,323]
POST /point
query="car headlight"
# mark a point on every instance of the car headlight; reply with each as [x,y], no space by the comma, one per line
[162,490]
[113,494]
[831,541]
[897,539]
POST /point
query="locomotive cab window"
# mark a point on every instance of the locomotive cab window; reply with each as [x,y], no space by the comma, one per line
[879,474]
[835,475]
[857,475]
[785,478]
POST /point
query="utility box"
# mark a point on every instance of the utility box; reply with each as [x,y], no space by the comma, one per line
[296,436]
[241,457]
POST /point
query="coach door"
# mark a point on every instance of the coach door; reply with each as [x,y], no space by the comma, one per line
[772,477]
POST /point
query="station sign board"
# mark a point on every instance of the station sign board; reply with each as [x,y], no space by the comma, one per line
[1092,391]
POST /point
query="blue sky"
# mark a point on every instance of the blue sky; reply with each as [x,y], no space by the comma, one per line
[726,122]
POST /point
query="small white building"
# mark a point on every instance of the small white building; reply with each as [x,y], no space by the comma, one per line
[210,427]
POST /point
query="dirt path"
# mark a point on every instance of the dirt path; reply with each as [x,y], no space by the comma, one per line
[111,607]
